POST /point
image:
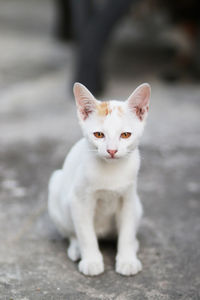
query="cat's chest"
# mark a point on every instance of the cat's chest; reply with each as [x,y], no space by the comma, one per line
[107,207]
[112,183]
[107,201]
[111,178]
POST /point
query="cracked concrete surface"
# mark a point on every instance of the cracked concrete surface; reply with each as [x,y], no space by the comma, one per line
[38,126]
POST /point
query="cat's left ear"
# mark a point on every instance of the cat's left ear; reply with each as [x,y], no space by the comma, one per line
[138,102]
[85,101]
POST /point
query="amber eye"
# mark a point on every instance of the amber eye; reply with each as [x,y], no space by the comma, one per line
[125,135]
[99,135]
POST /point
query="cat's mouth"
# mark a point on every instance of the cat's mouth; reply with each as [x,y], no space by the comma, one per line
[112,157]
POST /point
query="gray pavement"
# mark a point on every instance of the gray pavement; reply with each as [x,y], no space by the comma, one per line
[38,126]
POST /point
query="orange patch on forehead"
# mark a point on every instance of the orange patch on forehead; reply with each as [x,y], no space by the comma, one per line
[103,109]
[120,111]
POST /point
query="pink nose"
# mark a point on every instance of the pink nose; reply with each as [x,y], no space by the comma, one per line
[112,152]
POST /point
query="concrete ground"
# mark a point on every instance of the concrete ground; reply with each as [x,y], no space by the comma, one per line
[38,126]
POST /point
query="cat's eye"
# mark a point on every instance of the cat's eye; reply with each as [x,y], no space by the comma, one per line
[125,135]
[99,135]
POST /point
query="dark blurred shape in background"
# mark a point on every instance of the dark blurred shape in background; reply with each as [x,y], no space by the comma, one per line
[90,23]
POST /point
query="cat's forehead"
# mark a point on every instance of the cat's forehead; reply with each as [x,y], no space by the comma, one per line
[110,108]
[111,116]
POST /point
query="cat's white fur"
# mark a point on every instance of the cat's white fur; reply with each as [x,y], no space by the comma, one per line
[95,194]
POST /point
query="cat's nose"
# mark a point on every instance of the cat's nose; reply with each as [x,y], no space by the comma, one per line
[111,152]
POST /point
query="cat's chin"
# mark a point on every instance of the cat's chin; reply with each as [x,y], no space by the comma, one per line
[110,159]
[107,158]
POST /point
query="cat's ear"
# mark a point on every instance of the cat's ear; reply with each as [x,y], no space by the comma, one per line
[138,102]
[85,101]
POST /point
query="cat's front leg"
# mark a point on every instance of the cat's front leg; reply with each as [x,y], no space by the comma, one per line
[129,216]
[82,210]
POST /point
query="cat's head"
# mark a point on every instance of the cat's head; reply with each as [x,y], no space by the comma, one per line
[113,128]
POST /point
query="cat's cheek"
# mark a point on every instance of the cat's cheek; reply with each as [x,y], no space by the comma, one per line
[122,153]
[93,141]
[124,146]
[102,151]
[99,147]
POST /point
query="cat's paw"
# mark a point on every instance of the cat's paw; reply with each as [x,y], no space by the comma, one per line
[91,267]
[128,267]
[73,253]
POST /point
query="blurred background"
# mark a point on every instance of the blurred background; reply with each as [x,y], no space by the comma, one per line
[111,46]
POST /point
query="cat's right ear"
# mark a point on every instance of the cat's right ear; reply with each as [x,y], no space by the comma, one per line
[85,101]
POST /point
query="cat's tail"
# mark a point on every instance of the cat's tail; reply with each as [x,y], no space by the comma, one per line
[54,198]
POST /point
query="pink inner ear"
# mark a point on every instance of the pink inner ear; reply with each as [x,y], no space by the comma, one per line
[86,108]
[140,112]
[139,101]
[84,100]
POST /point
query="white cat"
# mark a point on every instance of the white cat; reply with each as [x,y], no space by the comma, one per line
[95,193]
